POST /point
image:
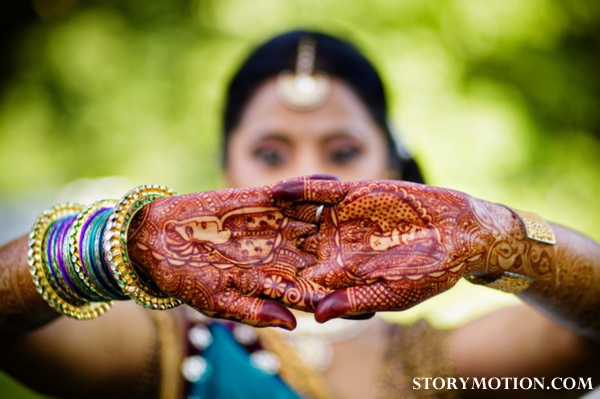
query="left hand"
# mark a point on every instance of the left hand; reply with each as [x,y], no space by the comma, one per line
[389,245]
[226,253]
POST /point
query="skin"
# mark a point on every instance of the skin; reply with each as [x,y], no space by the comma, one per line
[544,340]
[388,245]
[227,254]
[515,338]
[274,143]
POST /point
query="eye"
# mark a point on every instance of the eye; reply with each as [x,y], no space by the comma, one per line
[345,154]
[268,156]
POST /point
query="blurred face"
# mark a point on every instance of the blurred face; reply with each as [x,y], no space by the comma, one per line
[273,142]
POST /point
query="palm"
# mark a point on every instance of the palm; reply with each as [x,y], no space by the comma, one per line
[387,245]
[227,253]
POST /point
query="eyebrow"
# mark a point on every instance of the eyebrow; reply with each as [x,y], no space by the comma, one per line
[340,135]
[327,137]
[273,136]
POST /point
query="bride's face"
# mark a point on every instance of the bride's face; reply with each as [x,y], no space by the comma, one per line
[273,142]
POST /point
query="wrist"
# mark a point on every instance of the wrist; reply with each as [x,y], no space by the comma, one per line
[506,262]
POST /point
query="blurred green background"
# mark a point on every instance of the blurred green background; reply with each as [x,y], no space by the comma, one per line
[498,98]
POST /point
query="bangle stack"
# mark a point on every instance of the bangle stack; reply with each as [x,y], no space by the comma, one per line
[78,256]
[115,246]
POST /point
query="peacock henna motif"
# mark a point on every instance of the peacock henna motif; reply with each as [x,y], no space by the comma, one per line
[228,253]
[389,245]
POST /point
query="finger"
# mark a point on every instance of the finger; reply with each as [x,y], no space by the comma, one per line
[365,299]
[365,316]
[316,176]
[307,189]
[329,274]
[310,244]
[296,292]
[333,305]
[304,295]
[255,312]
[272,314]
[323,176]
[306,212]
[294,229]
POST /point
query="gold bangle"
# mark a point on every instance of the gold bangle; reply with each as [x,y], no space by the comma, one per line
[508,282]
[36,259]
[115,240]
[536,227]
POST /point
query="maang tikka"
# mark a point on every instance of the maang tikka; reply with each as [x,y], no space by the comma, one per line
[303,89]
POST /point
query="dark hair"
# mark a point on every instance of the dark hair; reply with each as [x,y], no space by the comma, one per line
[334,57]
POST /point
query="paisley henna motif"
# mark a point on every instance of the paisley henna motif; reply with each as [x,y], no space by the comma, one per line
[389,245]
[229,254]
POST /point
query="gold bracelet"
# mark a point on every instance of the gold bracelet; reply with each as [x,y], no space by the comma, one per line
[508,282]
[536,227]
[115,241]
[37,260]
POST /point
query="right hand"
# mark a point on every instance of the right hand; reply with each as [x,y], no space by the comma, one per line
[389,245]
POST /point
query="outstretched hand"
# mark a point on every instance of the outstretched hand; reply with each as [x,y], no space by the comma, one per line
[387,245]
[228,254]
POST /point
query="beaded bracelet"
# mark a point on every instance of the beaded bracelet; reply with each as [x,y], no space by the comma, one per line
[115,248]
[46,259]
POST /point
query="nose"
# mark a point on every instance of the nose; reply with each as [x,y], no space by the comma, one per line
[309,162]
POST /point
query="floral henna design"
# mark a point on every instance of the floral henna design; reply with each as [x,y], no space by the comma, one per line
[229,254]
[389,245]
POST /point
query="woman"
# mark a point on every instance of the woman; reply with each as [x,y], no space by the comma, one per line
[301,104]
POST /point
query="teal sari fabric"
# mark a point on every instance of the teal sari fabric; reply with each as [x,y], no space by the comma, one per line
[230,373]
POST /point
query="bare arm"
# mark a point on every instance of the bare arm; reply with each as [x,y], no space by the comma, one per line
[78,358]
[21,307]
[390,245]
[222,252]
[567,287]
[557,335]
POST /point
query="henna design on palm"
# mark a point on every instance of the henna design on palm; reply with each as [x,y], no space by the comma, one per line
[228,253]
[389,245]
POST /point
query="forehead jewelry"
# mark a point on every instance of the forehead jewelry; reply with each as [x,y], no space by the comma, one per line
[303,90]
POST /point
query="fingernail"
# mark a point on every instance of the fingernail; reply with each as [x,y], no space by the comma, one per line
[332,306]
[274,315]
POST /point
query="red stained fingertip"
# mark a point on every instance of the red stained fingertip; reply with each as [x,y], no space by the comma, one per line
[333,305]
[289,191]
[274,315]
[324,177]
[294,190]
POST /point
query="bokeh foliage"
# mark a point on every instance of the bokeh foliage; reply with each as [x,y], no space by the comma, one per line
[498,98]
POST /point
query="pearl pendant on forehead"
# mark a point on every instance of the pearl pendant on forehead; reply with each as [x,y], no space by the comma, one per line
[302,92]
[303,89]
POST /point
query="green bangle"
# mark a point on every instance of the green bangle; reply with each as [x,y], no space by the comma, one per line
[115,241]
[81,274]
[36,261]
